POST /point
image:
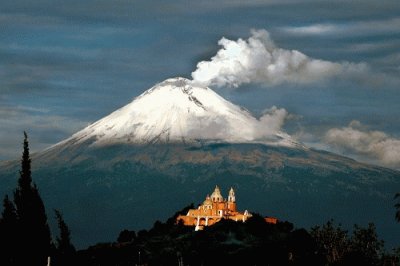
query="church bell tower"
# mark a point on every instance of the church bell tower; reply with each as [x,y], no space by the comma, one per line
[231,200]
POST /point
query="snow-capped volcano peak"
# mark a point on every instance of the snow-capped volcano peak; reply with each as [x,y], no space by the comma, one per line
[183,84]
[176,91]
[177,110]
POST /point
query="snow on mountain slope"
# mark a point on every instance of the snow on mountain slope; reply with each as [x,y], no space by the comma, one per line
[176,110]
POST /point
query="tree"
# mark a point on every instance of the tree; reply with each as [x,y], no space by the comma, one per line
[365,241]
[8,232]
[9,215]
[303,249]
[397,206]
[332,241]
[33,230]
[391,258]
[126,236]
[65,251]
[64,241]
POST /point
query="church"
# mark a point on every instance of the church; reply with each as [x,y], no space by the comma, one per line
[214,209]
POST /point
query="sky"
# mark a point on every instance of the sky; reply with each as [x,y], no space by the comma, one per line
[332,67]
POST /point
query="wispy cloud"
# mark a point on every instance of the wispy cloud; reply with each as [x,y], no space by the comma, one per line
[391,25]
[43,127]
[356,139]
[312,29]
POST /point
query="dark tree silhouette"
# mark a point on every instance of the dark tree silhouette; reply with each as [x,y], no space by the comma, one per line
[8,232]
[33,230]
[332,241]
[126,236]
[64,241]
[397,206]
[9,215]
[366,243]
[65,251]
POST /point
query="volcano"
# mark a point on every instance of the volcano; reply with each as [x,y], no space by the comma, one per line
[178,111]
[175,142]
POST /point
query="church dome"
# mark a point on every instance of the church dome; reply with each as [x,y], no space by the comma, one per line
[216,195]
[207,201]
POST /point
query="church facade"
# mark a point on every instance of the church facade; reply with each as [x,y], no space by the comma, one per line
[214,209]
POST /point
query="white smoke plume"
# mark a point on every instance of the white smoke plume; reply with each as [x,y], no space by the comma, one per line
[271,122]
[357,140]
[258,60]
[264,128]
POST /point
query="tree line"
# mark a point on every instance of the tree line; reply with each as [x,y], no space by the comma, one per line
[254,242]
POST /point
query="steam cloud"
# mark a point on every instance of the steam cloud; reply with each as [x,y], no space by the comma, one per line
[270,122]
[258,60]
[263,129]
[373,144]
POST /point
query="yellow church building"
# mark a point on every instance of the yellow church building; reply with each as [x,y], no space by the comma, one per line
[214,209]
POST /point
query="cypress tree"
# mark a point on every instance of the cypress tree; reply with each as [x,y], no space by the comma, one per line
[8,233]
[64,248]
[34,234]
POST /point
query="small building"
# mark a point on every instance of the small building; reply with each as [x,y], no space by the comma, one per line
[214,209]
[271,220]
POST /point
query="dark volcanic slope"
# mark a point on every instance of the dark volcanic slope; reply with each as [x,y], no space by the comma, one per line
[104,190]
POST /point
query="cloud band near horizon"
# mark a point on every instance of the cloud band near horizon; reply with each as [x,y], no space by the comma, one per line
[357,140]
